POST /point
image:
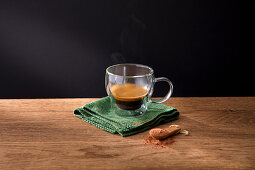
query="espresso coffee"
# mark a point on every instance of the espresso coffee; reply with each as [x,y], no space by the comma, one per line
[128,96]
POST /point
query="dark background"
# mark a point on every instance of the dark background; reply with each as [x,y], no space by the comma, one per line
[62,48]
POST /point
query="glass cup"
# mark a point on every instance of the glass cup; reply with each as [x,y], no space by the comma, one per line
[130,87]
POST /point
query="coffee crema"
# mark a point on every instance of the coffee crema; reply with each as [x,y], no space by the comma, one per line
[128,96]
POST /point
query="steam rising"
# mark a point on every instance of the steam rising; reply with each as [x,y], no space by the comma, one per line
[131,42]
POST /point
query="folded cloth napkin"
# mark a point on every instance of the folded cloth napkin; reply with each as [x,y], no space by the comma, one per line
[99,114]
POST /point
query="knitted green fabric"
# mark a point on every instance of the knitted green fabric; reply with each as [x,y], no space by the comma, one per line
[99,114]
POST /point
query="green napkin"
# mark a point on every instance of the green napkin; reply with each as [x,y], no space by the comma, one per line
[99,114]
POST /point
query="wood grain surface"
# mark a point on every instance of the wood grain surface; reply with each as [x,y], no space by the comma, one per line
[44,134]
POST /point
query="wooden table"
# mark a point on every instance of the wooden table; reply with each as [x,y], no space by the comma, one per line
[44,134]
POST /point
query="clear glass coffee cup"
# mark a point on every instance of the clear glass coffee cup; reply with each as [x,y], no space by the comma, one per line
[130,87]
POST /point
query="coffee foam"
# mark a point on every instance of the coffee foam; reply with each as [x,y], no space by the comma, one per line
[128,92]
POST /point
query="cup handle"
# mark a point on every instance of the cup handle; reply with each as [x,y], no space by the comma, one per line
[168,95]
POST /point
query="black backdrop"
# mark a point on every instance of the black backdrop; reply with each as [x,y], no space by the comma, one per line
[62,48]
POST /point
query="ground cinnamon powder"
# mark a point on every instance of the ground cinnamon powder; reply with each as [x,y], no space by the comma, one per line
[161,137]
[159,143]
[159,133]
